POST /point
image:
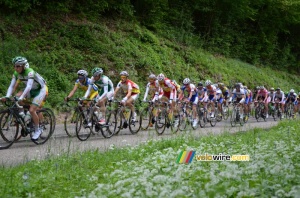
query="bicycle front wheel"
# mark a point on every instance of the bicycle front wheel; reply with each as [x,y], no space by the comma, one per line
[233,118]
[9,128]
[83,130]
[135,123]
[110,127]
[146,118]
[46,126]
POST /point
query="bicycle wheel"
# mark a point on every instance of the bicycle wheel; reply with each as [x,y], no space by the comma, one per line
[161,121]
[53,118]
[183,121]
[83,131]
[135,123]
[225,112]
[70,123]
[213,120]
[146,118]
[46,126]
[175,123]
[9,129]
[257,113]
[233,118]
[111,125]
[202,118]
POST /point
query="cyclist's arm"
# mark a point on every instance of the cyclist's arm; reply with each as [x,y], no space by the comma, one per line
[146,93]
[73,91]
[128,93]
[11,87]
[105,91]
[27,89]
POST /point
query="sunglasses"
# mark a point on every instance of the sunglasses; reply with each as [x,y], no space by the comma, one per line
[16,66]
[80,77]
[123,77]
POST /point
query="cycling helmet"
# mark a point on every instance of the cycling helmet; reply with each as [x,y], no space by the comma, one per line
[97,71]
[245,87]
[82,72]
[124,73]
[261,87]
[200,84]
[186,81]
[238,85]
[258,87]
[272,89]
[160,77]
[278,89]
[220,84]
[152,76]
[20,61]
[292,91]
[208,82]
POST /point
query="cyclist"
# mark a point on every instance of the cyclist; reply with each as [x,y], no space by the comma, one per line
[248,101]
[192,97]
[219,100]
[279,97]
[151,88]
[202,94]
[131,89]
[239,94]
[36,88]
[212,96]
[83,83]
[170,93]
[292,98]
[107,91]
[263,95]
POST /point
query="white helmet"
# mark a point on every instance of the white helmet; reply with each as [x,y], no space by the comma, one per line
[20,60]
[208,82]
[160,77]
[292,91]
[152,76]
[82,73]
[186,81]
[124,73]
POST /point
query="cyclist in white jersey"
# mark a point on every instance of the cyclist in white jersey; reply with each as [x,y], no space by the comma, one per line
[106,92]
[35,88]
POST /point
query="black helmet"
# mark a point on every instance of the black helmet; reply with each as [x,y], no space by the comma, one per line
[200,84]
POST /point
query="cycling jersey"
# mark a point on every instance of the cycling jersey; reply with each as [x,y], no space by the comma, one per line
[225,91]
[104,83]
[168,88]
[280,96]
[238,94]
[191,88]
[35,86]
[129,85]
[151,88]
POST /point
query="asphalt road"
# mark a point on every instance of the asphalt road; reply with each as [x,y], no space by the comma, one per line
[25,150]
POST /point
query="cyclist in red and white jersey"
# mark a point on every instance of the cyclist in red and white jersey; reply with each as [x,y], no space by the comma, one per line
[263,95]
[170,92]
[131,89]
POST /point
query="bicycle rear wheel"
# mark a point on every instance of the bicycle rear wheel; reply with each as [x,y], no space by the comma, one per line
[183,119]
[146,118]
[175,123]
[46,126]
[225,112]
[9,128]
[83,131]
[161,121]
[111,126]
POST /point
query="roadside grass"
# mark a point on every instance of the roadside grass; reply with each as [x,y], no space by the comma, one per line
[150,169]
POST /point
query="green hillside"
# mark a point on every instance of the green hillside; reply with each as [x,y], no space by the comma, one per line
[57,45]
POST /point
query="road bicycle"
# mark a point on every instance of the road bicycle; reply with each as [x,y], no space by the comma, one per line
[147,115]
[275,111]
[125,118]
[11,123]
[186,113]
[166,119]
[260,111]
[289,110]
[236,115]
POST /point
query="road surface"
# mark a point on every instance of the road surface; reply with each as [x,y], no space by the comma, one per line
[25,150]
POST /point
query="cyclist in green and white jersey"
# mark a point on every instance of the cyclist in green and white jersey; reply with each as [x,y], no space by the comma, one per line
[106,92]
[36,88]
